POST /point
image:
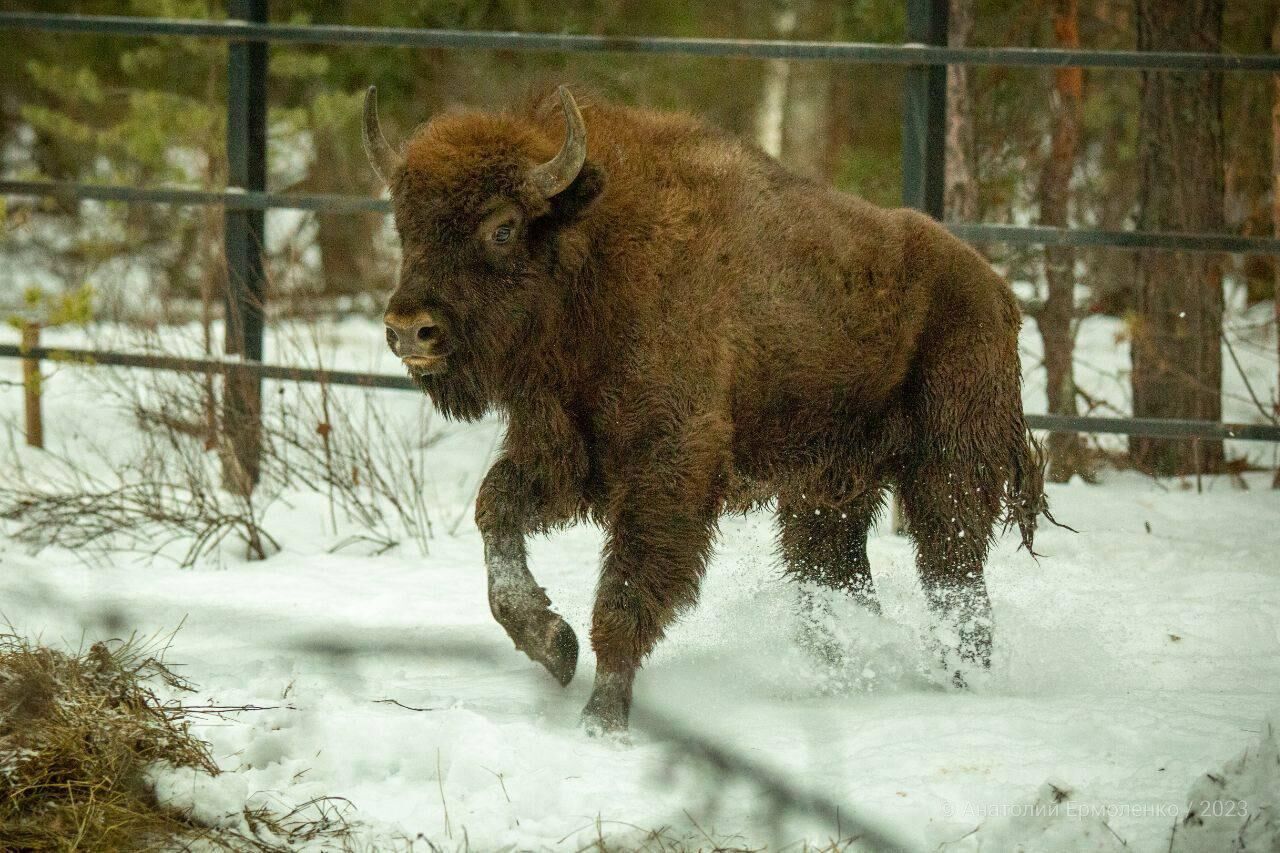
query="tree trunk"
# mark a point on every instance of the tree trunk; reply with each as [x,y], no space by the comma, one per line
[1275,207]
[961,195]
[1176,338]
[1055,318]
[347,259]
[772,113]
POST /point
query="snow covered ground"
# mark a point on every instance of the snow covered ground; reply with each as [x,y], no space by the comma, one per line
[1131,659]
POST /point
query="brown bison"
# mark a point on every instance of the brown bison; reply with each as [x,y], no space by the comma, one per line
[676,327]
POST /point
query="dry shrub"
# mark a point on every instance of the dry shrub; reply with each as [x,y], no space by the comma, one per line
[171,488]
[332,441]
[342,444]
[162,498]
[77,735]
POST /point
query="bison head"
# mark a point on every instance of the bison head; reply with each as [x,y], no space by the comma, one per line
[482,202]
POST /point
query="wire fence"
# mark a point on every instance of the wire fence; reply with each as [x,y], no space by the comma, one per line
[925,55]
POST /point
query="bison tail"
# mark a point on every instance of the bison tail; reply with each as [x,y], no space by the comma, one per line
[1025,500]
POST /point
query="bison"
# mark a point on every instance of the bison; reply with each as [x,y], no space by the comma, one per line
[676,327]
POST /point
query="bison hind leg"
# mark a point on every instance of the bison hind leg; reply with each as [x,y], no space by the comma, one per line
[951,513]
[823,544]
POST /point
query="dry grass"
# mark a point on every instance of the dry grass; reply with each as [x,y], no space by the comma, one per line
[77,734]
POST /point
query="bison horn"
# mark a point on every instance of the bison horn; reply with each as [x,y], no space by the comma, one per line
[556,174]
[381,156]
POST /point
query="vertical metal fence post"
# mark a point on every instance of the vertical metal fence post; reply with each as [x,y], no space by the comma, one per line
[924,133]
[245,243]
[924,113]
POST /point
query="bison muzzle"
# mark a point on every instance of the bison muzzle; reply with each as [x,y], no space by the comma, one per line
[677,327]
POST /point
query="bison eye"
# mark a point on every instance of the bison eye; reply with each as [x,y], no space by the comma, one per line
[502,234]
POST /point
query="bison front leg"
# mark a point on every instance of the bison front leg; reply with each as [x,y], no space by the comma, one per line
[506,509]
[653,564]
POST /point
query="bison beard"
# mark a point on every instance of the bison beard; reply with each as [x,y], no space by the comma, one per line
[456,394]
[675,327]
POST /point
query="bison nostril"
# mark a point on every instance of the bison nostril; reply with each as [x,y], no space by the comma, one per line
[415,335]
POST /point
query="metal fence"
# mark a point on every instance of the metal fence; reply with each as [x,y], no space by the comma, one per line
[925,57]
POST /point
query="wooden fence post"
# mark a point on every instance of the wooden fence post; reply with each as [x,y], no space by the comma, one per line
[31,384]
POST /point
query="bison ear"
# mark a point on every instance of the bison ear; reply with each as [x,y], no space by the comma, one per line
[573,201]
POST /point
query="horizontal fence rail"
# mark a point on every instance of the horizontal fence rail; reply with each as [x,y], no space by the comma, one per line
[984,232]
[852,52]
[151,361]
[1154,427]
[234,199]
[1045,235]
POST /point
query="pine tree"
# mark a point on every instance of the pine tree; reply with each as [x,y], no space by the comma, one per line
[1177,333]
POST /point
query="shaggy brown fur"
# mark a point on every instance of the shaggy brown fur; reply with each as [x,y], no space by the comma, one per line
[690,329]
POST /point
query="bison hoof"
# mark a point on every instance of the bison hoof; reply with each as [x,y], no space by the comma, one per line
[605,727]
[609,707]
[606,718]
[554,645]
